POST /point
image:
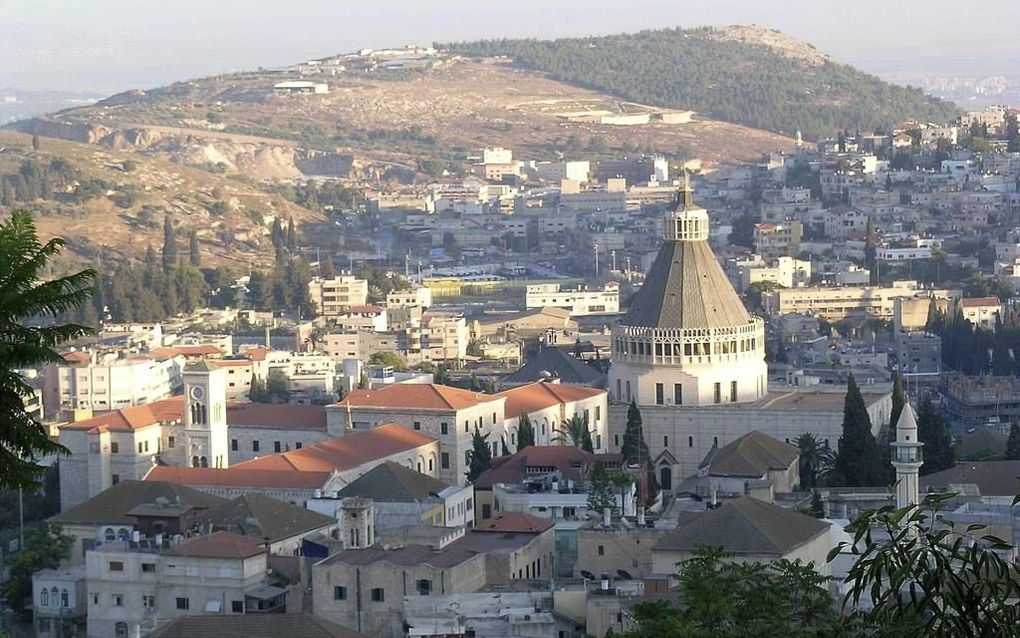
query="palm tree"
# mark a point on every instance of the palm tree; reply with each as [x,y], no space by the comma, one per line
[622,481]
[816,460]
[25,297]
[574,432]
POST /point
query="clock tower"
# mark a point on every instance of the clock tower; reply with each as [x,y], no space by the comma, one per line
[205,416]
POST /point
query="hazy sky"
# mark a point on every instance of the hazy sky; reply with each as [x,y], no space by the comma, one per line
[112,45]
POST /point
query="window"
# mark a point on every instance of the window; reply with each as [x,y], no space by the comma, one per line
[430,465]
[183,604]
[149,568]
[616,440]
[718,392]
[598,412]
[417,425]
[466,425]
[297,445]
[678,394]
[233,445]
[658,394]
[170,441]
[598,441]
[149,602]
[424,587]
[665,441]
[118,600]
[445,461]
[237,606]
[95,599]
[114,447]
[378,595]
[139,447]
[715,441]
[443,427]
[120,630]
[690,441]
[733,391]
[276,447]
[116,566]
[115,479]
[602,550]
[254,446]
[44,597]
[339,593]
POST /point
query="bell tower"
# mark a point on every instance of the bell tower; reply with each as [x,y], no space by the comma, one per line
[205,416]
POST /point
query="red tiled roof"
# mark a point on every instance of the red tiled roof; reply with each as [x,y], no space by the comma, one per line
[289,416]
[343,453]
[219,545]
[540,395]
[976,302]
[571,461]
[515,523]
[232,363]
[425,396]
[255,354]
[133,418]
[237,476]
[364,310]
[77,357]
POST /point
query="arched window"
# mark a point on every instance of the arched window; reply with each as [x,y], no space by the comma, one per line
[204,462]
[194,461]
[120,630]
[64,600]
[123,533]
[44,597]
[109,535]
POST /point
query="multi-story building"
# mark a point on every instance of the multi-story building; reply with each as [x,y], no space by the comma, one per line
[834,304]
[982,312]
[133,585]
[59,602]
[580,301]
[787,272]
[91,383]
[331,297]
[549,405]
[556,171]
[417,295]
[364,589]
[450,415]
[778,239]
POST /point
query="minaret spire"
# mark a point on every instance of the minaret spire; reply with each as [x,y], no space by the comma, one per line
[907,458]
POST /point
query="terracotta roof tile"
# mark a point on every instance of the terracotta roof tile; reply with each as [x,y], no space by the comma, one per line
[237,476]
[537,396]
[133,418]
[979,302]
[290,416]
[344,453]
[219,545]
[187,351]
[424,396]
[77,357]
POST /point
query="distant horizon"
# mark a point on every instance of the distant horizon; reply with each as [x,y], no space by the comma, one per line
[46,45]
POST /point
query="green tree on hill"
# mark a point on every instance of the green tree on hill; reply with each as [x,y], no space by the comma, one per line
[938,442]
[634,448]
[480,455]
[525,432]
[169,243]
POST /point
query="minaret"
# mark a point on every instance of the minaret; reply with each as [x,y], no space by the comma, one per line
[907,458]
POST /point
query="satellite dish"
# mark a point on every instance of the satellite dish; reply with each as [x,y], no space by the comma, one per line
[587,574]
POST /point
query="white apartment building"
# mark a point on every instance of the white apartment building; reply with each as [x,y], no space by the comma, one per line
[94,383]
[131,589]
[838,303]
[787,272]
[981,311]
[333,296]
[579,301]
[497,155]
[415,296]
[556,171]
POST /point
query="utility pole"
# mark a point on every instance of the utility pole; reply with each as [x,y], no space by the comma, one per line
[613,253]
[595,245]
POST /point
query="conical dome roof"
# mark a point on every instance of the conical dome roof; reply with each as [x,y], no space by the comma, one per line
[686,287]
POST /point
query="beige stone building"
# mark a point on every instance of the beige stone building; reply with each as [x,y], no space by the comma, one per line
[331,297]
[833,304]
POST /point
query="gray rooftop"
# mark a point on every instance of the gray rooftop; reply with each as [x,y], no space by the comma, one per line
[111,506]
[265,517]
[752,455]
[568,368]
[391,482]
[745,526]
[686,288]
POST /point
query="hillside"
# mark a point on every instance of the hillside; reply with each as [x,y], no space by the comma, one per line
[110,205]
[746,75]
[384,121]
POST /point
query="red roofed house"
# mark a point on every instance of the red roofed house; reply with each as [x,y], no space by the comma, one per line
[327,466]
[444,413]
[981,311]
[549,404]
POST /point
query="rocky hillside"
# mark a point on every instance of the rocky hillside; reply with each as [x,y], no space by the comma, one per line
[110,204]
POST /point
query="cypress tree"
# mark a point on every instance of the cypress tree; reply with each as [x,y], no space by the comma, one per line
[291,236]
[898,400]
[634,449]
[327,269]
[525,432]
[938,442]
[1013,444]
[193,251]
[817,507]
[169,243]
[481,455]
[586,442]
[859,459]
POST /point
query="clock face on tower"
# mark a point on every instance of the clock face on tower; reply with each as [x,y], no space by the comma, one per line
[197,393]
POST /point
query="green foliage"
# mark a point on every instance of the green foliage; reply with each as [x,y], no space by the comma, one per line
[148,292]
[129,166]
[1013,443]
[859,462]
[40,504]
[923,578]
[169,243]
[734,81]
[601,493]
[525,432]
[388,358]
[743,231]
[938,442]
[634,448]
[575,432]
[815,459]
[481,455]
[721,598]
[44,549]
[194,254]
[817,507]
[26,294]
[898,400]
